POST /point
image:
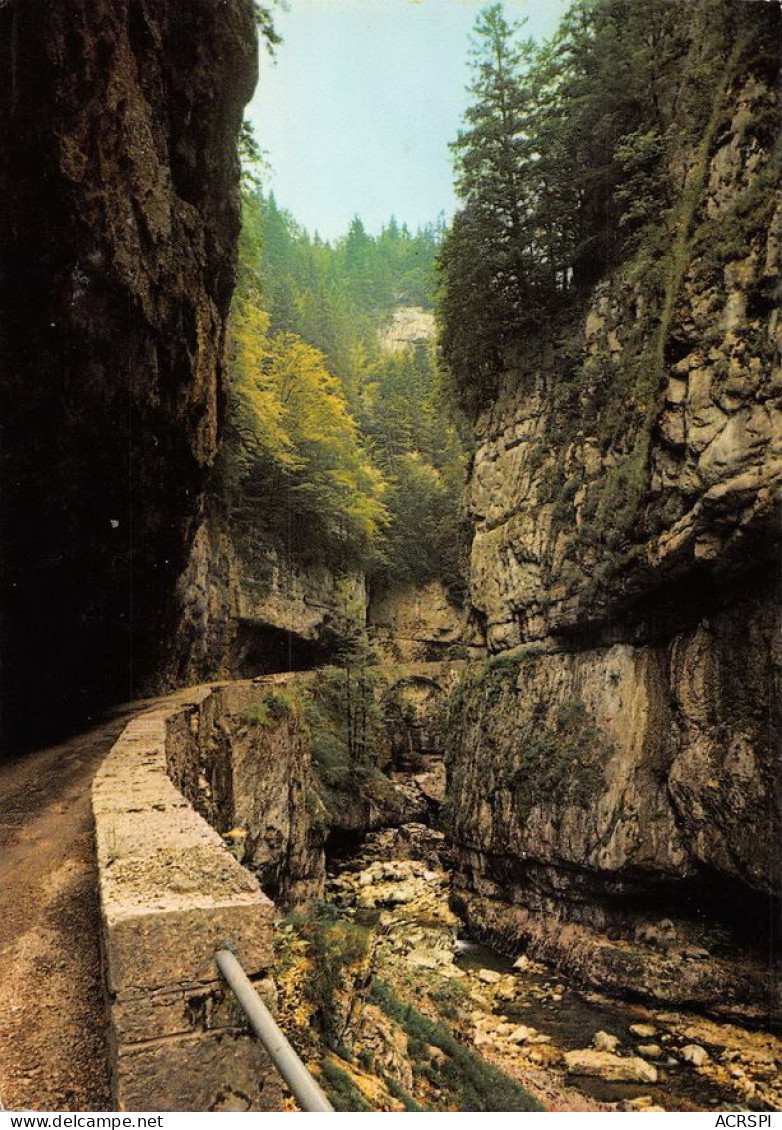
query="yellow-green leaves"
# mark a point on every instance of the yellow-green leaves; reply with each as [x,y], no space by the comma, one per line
[298,443]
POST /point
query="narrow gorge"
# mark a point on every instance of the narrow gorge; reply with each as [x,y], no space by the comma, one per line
[440,564]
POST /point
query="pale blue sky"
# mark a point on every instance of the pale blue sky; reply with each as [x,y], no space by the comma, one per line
[357,111]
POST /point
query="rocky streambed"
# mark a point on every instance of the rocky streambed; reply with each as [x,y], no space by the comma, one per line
[418,1012]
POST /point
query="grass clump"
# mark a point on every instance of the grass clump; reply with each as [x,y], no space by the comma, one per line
[459,1080]
[269,711]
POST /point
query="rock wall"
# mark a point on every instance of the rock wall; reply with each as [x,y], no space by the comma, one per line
[612,781]
[119,179]
[410,326]
[267,763]
[240,619]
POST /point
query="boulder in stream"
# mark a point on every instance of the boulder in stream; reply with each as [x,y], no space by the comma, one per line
[605,1041]
[613,1068]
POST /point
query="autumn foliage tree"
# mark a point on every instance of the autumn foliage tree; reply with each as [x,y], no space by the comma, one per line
[300,473]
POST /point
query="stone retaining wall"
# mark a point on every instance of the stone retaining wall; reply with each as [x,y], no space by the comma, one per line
[170,894]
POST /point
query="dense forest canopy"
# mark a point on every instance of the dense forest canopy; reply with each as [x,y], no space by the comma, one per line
[577,157]
[340,449]
[567,162]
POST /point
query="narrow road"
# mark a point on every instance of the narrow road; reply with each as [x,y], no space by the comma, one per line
[52,1021]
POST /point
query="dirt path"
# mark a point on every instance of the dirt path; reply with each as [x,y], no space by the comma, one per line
[52,1024]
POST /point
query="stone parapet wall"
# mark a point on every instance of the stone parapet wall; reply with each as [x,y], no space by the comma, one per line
[170,894]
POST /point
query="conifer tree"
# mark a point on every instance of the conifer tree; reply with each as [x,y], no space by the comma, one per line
[493,261]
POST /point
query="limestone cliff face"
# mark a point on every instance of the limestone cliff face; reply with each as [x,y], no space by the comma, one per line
[240,619]
[119,179]
[421,623]
[647,452]
[612,786]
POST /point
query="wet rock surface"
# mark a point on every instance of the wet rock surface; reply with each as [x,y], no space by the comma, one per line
[571,1050]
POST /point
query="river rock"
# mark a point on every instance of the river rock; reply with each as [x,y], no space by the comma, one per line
[649,1051]
[605,1065]
[605,1041]
[684,780]
[522,1034]
[432,784]
[521,963]
[644,1103]
[695,1054]
[645,1031]
[489,976]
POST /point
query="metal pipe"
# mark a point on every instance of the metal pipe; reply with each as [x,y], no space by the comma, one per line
[305,1090]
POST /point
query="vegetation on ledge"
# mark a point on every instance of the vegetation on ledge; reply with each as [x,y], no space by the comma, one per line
[576,156]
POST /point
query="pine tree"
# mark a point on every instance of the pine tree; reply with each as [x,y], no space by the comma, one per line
[495,265]
[493,153]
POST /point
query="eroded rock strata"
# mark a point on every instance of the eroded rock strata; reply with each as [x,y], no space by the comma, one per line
[612,772]
[611,809]
[243,616]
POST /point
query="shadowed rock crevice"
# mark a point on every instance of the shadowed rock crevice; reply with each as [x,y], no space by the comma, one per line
[119,178]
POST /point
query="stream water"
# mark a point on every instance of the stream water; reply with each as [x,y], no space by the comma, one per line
[374,882]
[572,1023]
